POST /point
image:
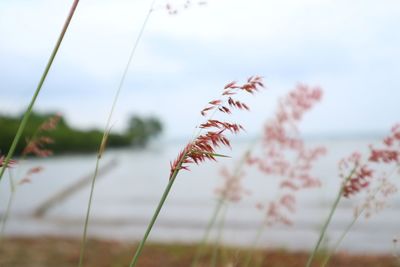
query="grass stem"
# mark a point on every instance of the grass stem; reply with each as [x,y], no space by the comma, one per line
[351,224]
[84,236]
[250,252]
[4,219]
[108,128]
[328,220]
[339,241]
[211,223]
[154,218]
[220,203]
[325,227]
[28,112]
[218,239]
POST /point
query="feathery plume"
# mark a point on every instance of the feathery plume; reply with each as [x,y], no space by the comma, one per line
[204,146]
[286,155]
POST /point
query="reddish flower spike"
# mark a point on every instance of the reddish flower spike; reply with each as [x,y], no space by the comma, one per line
[230,85]
[203,147]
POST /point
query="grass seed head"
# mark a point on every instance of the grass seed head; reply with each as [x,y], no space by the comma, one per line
[204,146]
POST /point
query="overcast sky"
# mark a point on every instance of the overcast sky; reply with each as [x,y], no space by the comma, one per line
[350,48]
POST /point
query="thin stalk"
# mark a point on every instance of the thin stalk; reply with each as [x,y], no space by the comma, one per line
[128,64]
[157,211]
[28,112]
[325,227]
[108,128]
[154,218]
[8,209]
[250,252]
[351,224]
[6,215]
[84,236]
[219,205]
[214,259]
[395,254]
[328,220]
[13,187]
[339,241]
[210,225]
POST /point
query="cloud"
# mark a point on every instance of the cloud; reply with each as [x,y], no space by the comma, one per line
[182,61]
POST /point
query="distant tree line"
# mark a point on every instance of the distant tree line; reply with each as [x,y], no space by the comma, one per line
[67,139]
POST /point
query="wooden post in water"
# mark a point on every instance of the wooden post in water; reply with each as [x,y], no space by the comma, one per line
[67,192]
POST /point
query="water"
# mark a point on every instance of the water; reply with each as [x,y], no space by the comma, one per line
[127,195]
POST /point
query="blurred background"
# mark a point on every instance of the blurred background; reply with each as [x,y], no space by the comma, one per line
[348,48]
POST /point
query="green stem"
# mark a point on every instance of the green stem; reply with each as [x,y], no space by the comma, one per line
[219,205]
[325,227]
[39,87]
[6,216]
[210,225]
[214,259]
[107,129]
[8,209]
[250,252]
[329,255]
[84,236]
[128,63]
[154,218]
[328,220]
[348,228]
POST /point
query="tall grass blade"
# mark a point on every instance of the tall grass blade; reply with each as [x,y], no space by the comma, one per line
[250,252]
[38,89]
[107,131]
[6,215]
[84,236]
[216,247]
[324,228]
[211,223]
[153,219]
[328,220]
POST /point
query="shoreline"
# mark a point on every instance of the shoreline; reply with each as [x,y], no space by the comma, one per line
[64,251]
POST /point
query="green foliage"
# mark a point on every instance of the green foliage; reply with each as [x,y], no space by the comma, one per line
[140,130]
[68,139]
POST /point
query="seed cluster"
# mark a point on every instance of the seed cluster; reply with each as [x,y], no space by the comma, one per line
[358,176]
[285,154]
[205,145]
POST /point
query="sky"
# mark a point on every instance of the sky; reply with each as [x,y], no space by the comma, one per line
[349,48]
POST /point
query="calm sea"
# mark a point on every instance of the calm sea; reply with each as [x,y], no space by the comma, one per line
[127,193]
